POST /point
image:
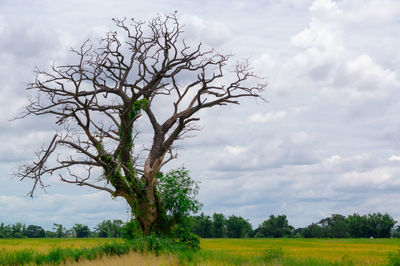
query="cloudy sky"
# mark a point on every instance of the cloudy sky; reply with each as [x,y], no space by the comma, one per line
[327,141]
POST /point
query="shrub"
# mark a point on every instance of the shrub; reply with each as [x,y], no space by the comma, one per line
[186,238]
[131,230]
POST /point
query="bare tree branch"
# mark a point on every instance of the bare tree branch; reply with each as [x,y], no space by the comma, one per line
[98,100]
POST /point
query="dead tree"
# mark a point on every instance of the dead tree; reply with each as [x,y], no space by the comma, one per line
[98,100]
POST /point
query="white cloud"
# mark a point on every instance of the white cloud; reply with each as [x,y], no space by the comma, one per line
[268,117]
[299,138]
[359,13]
[323,4]
[277,116]
[379,178]
[2,24]
[394,158]
[26,39]
[334,158]
[211,32]
[234,150]
[370,12]
[366,75]
[264,64]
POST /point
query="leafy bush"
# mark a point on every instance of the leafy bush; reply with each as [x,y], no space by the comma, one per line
[187,238]
[115,249]
[131,230]
[179,235]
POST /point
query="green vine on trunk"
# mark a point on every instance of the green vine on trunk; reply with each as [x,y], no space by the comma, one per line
[113,170]
[136,107]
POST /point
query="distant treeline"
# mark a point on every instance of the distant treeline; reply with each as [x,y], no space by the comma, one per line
[106,228]
[374,225]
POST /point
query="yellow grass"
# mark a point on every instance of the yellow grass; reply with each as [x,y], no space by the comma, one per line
[359,251]
[45,245]
[130,259]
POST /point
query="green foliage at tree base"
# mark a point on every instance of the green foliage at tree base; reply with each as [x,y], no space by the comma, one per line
[183,236]
[131,230]
[179,235]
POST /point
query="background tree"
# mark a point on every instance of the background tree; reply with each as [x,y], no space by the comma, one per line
[314,231]
[59,230]
[2,230]
[108,228]
[275,226]
[338,226]
[381,224]
[49,234]
[396,232]
[219,225]
[358,226]
[35,231]
[98,100]
[297,233]
[335,226]
[81,230]
[238,227]
[5,231]
[18,230]
[202,225]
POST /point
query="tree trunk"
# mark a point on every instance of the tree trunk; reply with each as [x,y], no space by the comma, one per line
[147,212]
[147,207]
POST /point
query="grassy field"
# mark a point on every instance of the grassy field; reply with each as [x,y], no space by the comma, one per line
[237,251]
[298,251]
[46,244]
[126,260]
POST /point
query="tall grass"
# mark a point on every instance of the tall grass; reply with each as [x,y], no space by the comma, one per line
[138,259]
[116,248]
